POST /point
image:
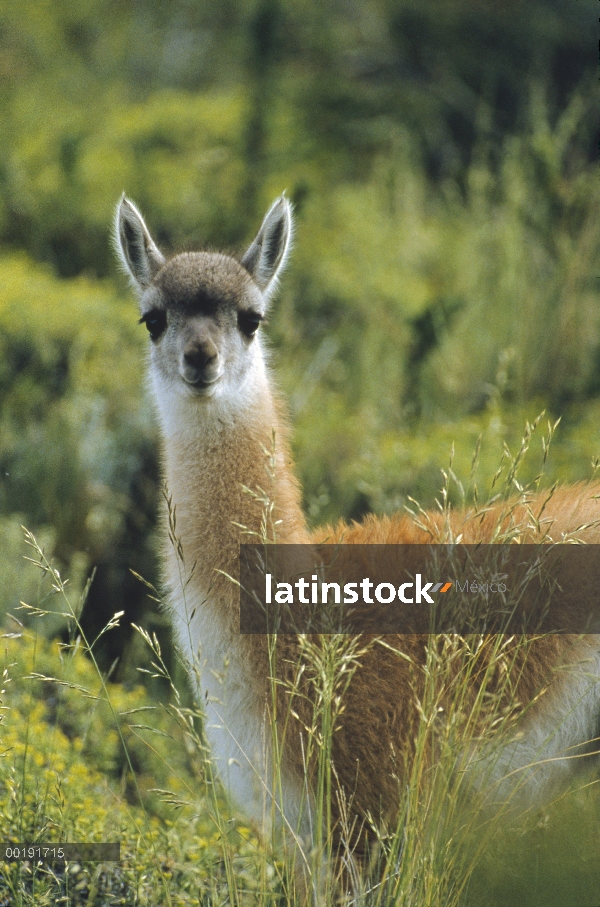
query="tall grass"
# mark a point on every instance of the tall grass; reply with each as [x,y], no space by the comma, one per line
[420,313]
[182,844]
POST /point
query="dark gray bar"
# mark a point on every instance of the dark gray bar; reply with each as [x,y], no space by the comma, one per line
[420,589]
[49,853]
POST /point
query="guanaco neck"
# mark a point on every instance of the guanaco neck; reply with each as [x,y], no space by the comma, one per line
[229,477]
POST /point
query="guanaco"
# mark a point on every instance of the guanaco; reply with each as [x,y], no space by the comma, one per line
[219,413]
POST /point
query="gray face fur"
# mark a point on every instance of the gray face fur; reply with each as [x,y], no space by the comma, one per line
[203,309]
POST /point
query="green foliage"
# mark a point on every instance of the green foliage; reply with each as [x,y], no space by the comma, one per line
[442,281]
[442,290]
[64,777]
[70,382]
[178,155]
[70,390]
[551,859]
[76,436]
[68,740]
[414,306]
[208,104]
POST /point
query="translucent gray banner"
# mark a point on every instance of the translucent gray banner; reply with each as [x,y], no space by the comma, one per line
[420,589]
[48,853]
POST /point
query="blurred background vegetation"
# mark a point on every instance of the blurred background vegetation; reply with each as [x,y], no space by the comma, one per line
[444,286]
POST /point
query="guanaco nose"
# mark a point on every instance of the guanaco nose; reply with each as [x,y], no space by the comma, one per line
[200,361]
[200,354]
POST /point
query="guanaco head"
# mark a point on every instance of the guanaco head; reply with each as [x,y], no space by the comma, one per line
[203,309]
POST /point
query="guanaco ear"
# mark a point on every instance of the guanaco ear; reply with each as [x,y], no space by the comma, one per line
[266,257]
[135,247]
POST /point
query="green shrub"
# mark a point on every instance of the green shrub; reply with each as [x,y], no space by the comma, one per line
[77,438]
[67,746]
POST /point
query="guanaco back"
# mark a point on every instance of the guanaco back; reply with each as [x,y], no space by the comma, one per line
[219,413]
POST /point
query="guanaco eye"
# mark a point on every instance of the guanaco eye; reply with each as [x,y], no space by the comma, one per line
[155,321]
[248,322]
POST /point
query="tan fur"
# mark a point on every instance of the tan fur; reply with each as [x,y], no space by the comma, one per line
[216,444]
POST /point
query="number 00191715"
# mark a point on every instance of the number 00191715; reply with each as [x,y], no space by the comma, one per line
[95,853]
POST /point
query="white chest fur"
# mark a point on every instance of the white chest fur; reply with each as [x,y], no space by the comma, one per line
[234,707]
[209,503]
[238,728]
